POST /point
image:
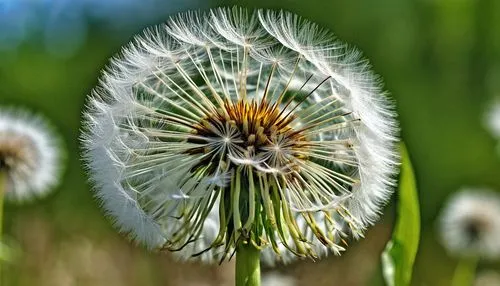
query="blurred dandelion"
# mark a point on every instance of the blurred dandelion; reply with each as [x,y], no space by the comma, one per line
[233,128]
[30,161]
[30,155]
[492,118]
[470,224]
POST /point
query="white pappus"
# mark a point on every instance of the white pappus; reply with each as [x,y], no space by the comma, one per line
[31,155]
[469,224]
[258,125]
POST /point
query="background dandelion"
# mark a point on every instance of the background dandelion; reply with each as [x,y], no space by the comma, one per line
[470,224]
[492,119]
[31,155]
[469,229]
[30,163]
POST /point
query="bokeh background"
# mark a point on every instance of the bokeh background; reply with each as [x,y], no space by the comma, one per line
[440,60]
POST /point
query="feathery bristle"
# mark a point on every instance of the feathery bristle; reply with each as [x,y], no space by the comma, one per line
[258,123]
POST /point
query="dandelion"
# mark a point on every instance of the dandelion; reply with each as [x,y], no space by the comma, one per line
[470,228]
[230,128]
[30,159]
[30,155]
[492,119]
[470,224]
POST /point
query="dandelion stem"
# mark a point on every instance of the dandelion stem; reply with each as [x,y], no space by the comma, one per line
[3,180]
[465,271]
[247,264]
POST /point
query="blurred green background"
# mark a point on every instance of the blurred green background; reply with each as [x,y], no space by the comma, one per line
[440,60]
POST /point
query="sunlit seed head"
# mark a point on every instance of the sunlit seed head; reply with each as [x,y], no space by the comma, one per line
[30,155]
[258,125]
[470,224]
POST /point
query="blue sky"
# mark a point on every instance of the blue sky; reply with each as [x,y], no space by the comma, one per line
[62,24]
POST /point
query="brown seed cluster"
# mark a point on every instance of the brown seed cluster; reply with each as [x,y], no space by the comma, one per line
[476,226]
[259,124]
[14,149]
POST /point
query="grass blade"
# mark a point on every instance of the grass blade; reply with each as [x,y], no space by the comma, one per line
[399,254]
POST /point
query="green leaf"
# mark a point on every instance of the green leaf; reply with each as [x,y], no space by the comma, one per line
[5,253]
[399,254]
[10,251]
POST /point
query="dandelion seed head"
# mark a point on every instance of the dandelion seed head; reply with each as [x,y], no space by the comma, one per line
[470,224]
[255,124]
[30,155]
[492,118]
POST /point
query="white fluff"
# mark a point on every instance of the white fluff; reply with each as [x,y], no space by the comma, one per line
[469,224]
[31,153]
[179,66]
[492,119]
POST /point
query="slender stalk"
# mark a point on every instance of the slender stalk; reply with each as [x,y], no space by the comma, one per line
[3,182]
[465,271]
[247,265]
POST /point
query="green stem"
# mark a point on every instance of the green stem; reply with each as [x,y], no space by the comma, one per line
[3,182]
[465,271]
[247,265]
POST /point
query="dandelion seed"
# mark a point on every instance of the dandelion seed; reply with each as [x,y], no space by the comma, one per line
[470,224]
[30,155]
[231,126]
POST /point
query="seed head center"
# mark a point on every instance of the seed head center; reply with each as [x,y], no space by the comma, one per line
[14,149]
[252,128]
